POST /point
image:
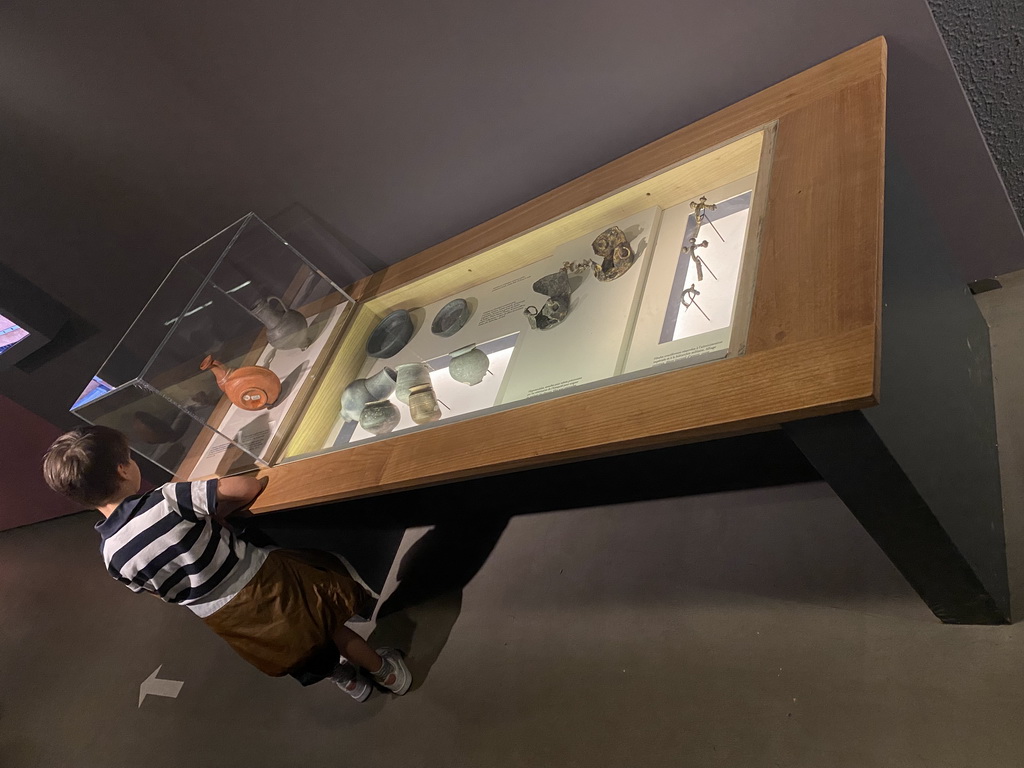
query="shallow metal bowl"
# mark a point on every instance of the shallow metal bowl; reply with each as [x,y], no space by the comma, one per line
[450,318]
[391,335]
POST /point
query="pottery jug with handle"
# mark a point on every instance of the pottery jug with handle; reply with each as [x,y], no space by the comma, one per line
[286,328]
[363,391]
[250,387]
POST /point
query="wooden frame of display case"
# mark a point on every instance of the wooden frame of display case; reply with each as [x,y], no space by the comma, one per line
[812,346]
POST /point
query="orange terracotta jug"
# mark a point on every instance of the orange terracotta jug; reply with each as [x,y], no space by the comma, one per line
[250,387]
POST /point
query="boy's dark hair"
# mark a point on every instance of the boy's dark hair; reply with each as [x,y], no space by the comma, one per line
[82,464]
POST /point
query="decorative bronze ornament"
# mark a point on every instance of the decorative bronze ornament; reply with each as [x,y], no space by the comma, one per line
[557,287]
[700,209]
[688,299]
[614,256]
[697,259]
[551,314]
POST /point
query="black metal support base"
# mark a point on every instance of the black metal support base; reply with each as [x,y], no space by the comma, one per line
[853,459]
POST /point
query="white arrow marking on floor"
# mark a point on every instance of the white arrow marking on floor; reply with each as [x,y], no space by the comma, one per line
[157,687]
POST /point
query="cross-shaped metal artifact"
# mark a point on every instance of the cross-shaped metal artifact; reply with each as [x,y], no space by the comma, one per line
[688,298]
[700,215]
[692,250]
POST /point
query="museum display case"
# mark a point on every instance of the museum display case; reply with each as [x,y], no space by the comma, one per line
[654,277]
[722,279]
[216,368]
[249,355]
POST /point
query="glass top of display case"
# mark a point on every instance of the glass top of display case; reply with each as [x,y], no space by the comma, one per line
[214,370]
[653,277]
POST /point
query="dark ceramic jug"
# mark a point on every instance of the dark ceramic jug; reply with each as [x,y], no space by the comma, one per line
[286,328]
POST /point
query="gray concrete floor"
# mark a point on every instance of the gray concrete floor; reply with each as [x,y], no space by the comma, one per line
[759,628]
[753,628]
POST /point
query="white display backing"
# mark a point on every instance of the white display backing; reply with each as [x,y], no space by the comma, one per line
[253,429]
[667,333]
[713,304]
[591,343]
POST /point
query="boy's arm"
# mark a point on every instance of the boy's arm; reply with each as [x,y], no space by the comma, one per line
[236,493]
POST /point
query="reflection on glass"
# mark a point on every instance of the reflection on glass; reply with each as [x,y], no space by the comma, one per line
[96,387]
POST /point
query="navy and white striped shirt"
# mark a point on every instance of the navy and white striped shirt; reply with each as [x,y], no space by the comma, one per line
[167,542]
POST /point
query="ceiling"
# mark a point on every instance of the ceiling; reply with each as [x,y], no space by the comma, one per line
[133,131]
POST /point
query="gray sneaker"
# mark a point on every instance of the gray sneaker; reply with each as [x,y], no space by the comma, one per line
[346,677]
[394,674]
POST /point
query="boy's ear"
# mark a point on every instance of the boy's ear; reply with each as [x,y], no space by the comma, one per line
[124,471]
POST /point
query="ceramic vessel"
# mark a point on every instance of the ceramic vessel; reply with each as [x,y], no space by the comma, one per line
[468,365]
[286,328]
[363,391]
[379,417]
[391,335]
[423,404]
[410,375]
[450,318]
[250,387]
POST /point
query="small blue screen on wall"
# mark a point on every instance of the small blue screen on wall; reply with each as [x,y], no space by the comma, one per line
[10,334]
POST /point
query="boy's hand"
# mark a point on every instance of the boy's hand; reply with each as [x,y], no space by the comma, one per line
[236,493]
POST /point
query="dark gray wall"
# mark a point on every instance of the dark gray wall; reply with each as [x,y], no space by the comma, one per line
[132,132]
[986,42]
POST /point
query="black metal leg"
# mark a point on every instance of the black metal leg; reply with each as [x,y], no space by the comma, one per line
[851,457]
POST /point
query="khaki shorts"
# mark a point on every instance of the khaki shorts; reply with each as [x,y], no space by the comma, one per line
[283,620]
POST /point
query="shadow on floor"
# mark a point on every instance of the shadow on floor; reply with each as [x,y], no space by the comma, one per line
[421,630]
[370,551]
[467,514]
[469,517]
[419,615]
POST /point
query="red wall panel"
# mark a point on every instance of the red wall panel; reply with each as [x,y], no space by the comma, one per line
[24,497]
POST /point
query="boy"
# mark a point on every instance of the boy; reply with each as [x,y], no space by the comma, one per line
[283,612]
